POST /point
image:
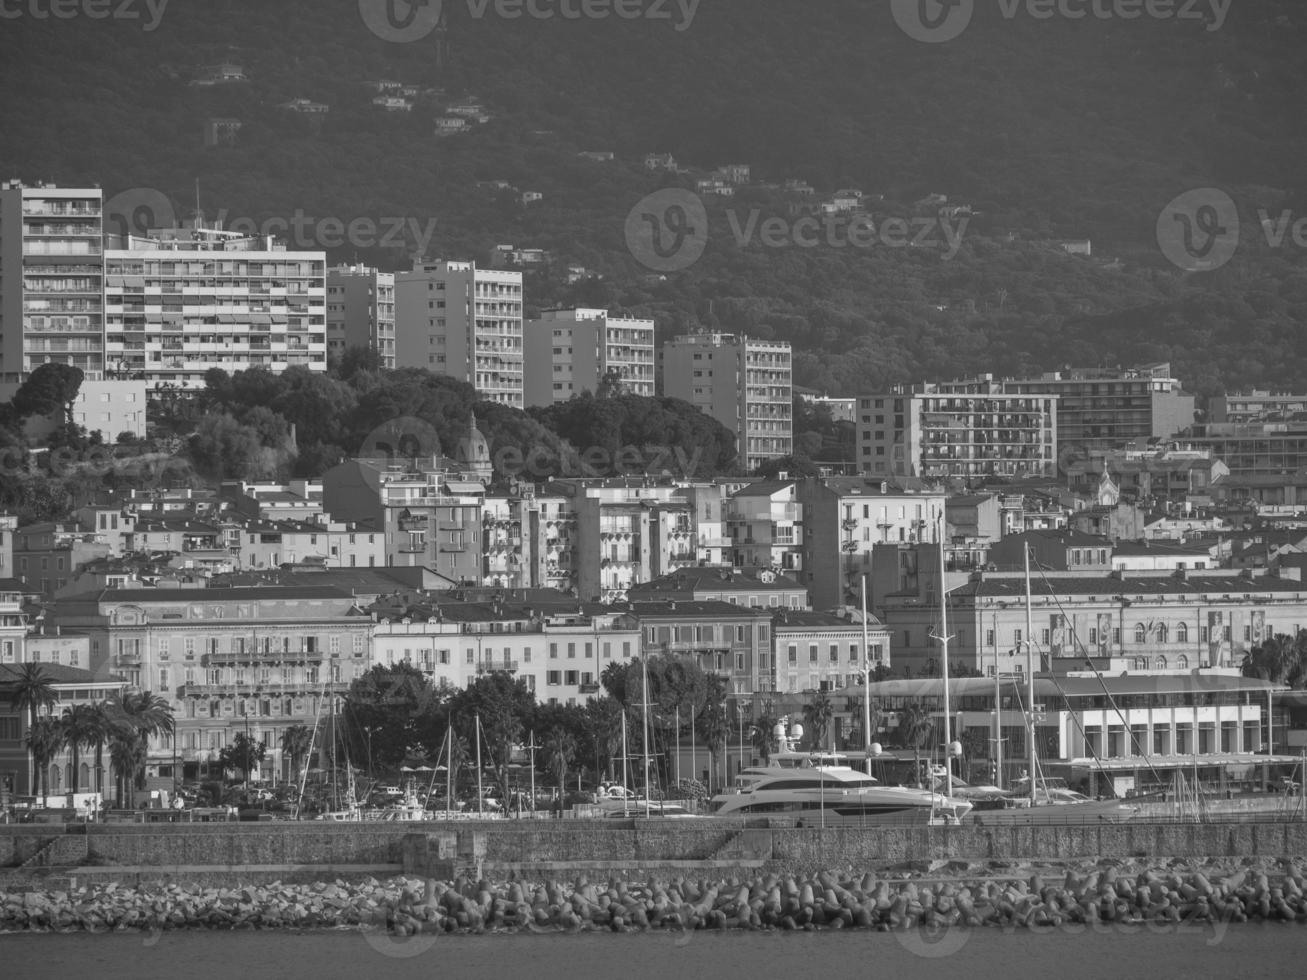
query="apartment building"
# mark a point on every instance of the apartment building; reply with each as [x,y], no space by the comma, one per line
[627,531]
[51,279]
[1101,408]
[361,311]
[720,637]
[228,660]
[969,430]
[822,651]
[184,300]
[1241,408]
[528,540]
[453,318]
[844,518]
[571,351]
[745,384]
[764,521]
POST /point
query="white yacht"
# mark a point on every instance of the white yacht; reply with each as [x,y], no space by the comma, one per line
[820,788]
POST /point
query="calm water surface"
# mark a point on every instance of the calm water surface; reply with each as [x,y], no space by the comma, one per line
[1242,952]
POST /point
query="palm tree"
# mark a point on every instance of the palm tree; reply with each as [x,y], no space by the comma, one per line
[712,725]
[817,713]
[560,750]
[45,739]
[760,735]
[80,729]
[136,717]
[296,742]
[33,692]
[916,728]
[101,723]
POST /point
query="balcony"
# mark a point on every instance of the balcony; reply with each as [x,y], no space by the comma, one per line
[591,688]
[128,660]
[220,657]
[504,666]
[270,689]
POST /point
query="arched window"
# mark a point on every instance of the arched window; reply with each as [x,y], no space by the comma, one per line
[56,777]
[1160,663]
[1141,663]
[1182,662]
[84,776]
[1162,632]
[1140,633]
[1182,633]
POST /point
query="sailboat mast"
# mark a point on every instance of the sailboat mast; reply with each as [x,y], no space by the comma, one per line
[644,686]
[866,681]
[1030,670]
[625,783]
[943,640]
[480,794]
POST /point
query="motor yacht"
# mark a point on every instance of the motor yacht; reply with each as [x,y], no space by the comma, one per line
[819,788]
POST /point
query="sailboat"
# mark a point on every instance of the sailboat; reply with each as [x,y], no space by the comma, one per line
[620,801]
[1037,800]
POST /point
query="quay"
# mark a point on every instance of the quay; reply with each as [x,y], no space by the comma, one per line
[252,852]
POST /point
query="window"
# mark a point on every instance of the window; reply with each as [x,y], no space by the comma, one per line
[1182,633]
[471,655]
[553,647]
[989,638]
[1045,637]
[571,651]
[1160,662]
[853,653]
[1247,633]
[1140,633]
[571,678]
[334,643]
[1116,635]
[812,653]
[553,677]
[834,653]
[1225,633]
[526,655]
[793,652]
[1161,632]
[608,650]
[1016,639]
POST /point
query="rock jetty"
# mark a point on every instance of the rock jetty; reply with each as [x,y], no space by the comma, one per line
[410,906]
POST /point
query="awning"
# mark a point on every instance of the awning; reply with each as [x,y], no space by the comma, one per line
[1131,763]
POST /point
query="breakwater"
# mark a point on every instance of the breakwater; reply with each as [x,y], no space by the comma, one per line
[405,906]
[554,848]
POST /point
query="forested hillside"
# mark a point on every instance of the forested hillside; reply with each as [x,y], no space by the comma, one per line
[1049,129]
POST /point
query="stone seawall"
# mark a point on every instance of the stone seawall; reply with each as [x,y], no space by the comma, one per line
[510,844]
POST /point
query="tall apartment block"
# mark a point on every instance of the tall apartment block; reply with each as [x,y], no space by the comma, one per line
[965,429]
[51,285]
[571,351]
[453,318]
[184,300]
[1105,409]
[361,311]
[745,384]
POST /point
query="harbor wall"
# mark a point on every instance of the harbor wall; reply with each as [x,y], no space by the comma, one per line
[554,846]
